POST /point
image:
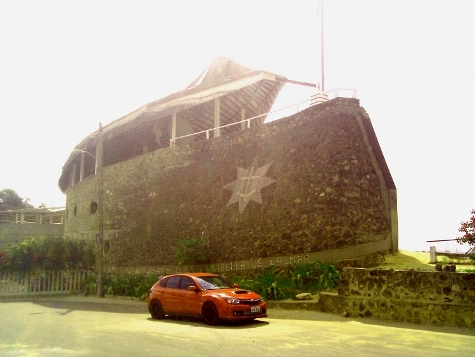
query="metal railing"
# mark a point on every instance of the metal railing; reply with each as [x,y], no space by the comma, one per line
[246,123]
[32,217]
[42,282]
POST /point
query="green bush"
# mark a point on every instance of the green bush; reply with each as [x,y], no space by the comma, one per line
[192,251]
[278,284]
[137,286]
[316,276]
[47,254]
[271,284]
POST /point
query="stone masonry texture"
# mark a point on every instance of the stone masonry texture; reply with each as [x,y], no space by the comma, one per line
[315,183]
[414,296]
[438,298]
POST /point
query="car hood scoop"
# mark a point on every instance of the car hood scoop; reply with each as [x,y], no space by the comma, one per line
[240,292]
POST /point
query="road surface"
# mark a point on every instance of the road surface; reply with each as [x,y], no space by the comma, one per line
[78,326]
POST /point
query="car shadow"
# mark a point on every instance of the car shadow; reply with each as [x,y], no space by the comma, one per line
[66,305]
[105,306]
[196,321]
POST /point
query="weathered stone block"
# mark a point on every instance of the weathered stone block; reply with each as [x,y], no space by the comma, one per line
[304,296]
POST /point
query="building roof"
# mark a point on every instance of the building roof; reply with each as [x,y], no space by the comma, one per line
[238,87]
[222,77]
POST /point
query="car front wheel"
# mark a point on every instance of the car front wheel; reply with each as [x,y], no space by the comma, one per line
[156,310]
[210,314]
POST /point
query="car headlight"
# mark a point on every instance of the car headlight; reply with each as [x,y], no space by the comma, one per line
[232,301]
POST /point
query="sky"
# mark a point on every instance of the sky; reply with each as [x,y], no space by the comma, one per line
[66,66]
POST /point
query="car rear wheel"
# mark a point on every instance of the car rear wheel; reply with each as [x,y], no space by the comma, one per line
[210,314]
[156,310]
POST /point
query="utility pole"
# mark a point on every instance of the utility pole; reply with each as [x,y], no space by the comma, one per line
[100,167]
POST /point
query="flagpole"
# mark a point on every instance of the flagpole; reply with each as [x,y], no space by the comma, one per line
[321,49]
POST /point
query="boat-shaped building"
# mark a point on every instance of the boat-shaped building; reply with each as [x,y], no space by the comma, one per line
[200,170]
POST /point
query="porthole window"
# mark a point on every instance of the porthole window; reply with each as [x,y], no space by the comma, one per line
[93,207]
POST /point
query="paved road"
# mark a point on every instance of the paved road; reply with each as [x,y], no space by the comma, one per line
[77,326]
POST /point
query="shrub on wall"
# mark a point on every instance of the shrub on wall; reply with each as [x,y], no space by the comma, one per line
[193,251]
[47,254]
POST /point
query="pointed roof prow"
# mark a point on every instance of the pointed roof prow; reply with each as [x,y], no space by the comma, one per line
[220,68]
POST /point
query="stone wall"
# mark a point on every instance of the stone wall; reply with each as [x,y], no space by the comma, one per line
[313,182]
[421,297]
[414,296]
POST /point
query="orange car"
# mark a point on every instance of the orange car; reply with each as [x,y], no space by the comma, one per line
[209,296]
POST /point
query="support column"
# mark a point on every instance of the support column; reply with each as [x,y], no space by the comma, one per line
[73,175]
[100,167]
[394,220]
[433,255]
[81,169]
[98,154]
[173,137]
[217,119]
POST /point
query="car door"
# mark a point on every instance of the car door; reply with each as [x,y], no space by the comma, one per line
[169,297]
[189,300]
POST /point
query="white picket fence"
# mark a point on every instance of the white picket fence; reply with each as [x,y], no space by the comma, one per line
[42,282]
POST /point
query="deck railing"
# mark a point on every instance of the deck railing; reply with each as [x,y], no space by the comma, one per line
[246,123]
[29,217]
[42,282]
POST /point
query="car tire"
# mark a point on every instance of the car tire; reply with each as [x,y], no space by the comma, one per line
[210,314]
[156,310]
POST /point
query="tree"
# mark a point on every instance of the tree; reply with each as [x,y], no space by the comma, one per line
[468,229]
[9,199]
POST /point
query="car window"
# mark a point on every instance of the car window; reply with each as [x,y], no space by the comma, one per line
[173,282]
[186,282]
[212,282]
[163,282]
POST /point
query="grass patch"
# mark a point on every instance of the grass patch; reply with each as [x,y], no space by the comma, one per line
[404,260]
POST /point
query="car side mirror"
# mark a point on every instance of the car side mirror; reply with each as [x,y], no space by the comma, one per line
[192,288]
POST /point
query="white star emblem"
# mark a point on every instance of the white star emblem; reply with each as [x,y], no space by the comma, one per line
[249,184]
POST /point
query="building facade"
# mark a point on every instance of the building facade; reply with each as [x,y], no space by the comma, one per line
[312,183]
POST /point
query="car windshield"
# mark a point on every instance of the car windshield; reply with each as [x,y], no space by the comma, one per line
[213,282]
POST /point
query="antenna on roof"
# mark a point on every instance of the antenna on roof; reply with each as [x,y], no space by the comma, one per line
[320,96]
[320,9]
